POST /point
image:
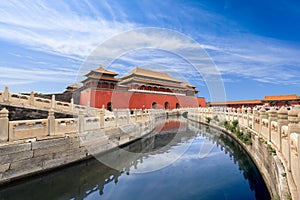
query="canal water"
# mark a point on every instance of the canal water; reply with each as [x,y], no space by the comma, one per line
[179,160]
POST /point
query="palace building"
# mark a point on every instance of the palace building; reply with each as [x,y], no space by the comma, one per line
[278,101]
[140,89]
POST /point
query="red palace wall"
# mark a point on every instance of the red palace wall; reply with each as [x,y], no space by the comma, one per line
[131,100]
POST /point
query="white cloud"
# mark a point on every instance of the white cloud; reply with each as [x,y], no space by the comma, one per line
[74,30]
[61,31]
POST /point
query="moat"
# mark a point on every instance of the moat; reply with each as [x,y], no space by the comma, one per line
[180,160]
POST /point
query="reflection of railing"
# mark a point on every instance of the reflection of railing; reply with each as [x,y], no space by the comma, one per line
[280,129]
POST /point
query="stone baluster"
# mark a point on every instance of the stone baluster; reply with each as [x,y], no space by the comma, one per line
[244,116]
[116,117]
[248,117]
[293,128]
[101,117]
[238,114]
[135,115]
[6,94]
[51,122]
[4,123]
[53,102]
[31,98]
[127,116]
[72,105]
[255,119]
[229,113]
[272,117]
[282,121]
[298,157]
[81,122]
[88,107]
[233,113]
[262,115]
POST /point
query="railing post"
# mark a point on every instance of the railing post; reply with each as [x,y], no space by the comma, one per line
[53,102]
[255,121]
[6,94]
[4,123]
[135,115]
[293,128]
[80,122]
[101,117]
[298,157]
[262,116]
[272,117]
[72,105]
[248,117]
[31,98]
[282,121]
[116,117]
[127,116]
[233,113]
[51,122]
[238,110]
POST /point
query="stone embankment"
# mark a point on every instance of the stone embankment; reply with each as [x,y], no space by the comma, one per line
[32,146]
[274,142]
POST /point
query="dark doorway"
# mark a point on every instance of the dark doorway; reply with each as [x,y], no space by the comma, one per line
[109,106]
[167,105]
[154,105]
[177,105]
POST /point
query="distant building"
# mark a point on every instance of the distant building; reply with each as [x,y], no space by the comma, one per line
[281,100]
[72,88]
[141,88]
[237,104]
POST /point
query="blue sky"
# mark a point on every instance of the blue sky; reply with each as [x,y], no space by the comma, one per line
[255,45]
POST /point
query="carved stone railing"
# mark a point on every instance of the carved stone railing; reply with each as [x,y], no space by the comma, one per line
[29,129]
[281,129]
[30,101]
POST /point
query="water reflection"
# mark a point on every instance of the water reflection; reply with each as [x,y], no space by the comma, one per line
[92,180]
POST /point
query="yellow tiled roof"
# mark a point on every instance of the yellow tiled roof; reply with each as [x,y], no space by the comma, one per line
[152,74]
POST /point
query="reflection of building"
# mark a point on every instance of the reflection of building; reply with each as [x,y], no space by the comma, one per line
[141,88]
[281,100]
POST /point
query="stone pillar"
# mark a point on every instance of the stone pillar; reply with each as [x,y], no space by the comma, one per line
[80,122]
[233,114]
[101,117]
[53,102]
[135,115]
[6,94]
[282,121]
[272,117]
[51,122]
[4,123]
[238,110]
[243,112]
[72,105]
[128,116]
[31,99]
[116,117]
[248,117]
[229,114]
[298,155]
[255,117]
[262,116]
[293,128]
[88,107]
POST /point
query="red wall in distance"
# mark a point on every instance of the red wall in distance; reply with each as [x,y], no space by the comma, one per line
[201,102]
[131,100]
